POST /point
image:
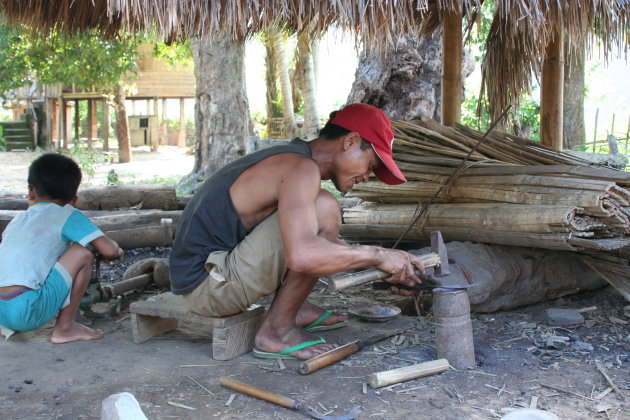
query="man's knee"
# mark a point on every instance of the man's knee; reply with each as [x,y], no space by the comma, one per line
[328,214]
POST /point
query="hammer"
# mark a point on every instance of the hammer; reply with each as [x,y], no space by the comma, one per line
[437,259]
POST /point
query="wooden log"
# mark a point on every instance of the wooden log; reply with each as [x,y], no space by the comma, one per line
[394,376]
[13,203]
[131,226]
[161,235]
[139,196]
[132,219]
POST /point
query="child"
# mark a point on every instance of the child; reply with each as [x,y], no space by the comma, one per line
[44,265]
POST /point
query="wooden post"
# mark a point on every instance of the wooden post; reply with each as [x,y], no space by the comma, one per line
[105,125]
[181,135]
[164,126]
[54,121]
[48,109]
[451,67]
[67,126]
[77,122]
[154,131]
[595,129]
[552,92]
[90,122]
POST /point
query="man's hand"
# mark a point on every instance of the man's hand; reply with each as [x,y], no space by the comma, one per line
[400,265]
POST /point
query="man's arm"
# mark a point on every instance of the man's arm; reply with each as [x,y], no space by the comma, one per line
[306,252]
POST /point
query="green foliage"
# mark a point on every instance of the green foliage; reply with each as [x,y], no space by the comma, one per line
[330,187]
[524,122]
[88,160]
[481,28]
[85,60]
[470,116]
[3,145]
[179,52]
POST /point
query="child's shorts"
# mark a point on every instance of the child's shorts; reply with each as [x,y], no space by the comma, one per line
[34,308]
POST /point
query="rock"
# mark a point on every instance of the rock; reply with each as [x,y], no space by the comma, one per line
[529,414]
[582,346]
[122,406]
[564,317]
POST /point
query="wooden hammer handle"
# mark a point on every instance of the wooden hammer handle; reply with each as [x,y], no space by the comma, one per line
[256,392]
[366,276]
[325,359]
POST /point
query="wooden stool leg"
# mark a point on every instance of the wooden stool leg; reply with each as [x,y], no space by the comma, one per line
[145,327]
[237,339]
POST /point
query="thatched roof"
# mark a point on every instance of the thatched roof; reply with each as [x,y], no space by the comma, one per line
[515,46]
[519,34]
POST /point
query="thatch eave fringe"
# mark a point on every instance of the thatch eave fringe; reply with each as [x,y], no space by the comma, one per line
[515,46]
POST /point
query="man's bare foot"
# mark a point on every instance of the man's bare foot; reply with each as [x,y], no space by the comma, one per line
[309,313]
[273,340]
[74,332]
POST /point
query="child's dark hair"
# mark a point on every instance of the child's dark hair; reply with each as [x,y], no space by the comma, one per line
[55,176]
[333,131]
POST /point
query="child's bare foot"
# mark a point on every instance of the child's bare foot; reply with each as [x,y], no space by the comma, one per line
[74,332]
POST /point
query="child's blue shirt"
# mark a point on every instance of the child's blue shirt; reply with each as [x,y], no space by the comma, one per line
[34,240]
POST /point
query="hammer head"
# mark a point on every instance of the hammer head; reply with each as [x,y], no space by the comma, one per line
[437,246]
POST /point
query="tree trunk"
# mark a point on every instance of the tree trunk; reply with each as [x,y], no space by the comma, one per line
[271,80]
[221,108]
[122,126]
[307,76]
[290,127]
[407,82]
[573,100]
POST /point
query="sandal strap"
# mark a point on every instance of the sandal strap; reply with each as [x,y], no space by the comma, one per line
[319,320]
[301,346]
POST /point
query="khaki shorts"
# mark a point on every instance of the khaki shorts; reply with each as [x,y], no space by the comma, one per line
[239,278]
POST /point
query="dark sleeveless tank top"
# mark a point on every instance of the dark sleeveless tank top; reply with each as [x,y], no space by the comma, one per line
[210,222]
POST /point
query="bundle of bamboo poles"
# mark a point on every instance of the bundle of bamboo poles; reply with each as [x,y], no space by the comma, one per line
[509,191]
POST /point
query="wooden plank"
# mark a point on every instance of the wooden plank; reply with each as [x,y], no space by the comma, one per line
[168,305]
[144,327]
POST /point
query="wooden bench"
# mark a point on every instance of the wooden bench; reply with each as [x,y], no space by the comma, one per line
[231,335]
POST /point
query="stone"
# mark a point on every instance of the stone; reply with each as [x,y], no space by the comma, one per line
[529,414]
[121,406]
[582,346]
[564,317]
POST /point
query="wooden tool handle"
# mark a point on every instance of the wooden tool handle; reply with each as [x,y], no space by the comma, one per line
[366,276]
[325,359]
[394,376]
[256,392]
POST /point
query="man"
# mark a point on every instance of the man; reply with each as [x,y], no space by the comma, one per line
[262,224]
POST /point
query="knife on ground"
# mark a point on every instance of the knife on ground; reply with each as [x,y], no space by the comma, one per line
[325,359]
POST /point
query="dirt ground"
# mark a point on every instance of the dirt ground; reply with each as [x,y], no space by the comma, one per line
[521,362]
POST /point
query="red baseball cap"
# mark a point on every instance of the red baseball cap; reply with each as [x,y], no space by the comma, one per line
[374,126]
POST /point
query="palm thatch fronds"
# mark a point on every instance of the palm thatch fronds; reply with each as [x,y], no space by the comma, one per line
[375,22]
[515,47]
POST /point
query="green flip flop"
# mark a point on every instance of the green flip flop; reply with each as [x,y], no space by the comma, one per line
[315,325]
[286,353]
